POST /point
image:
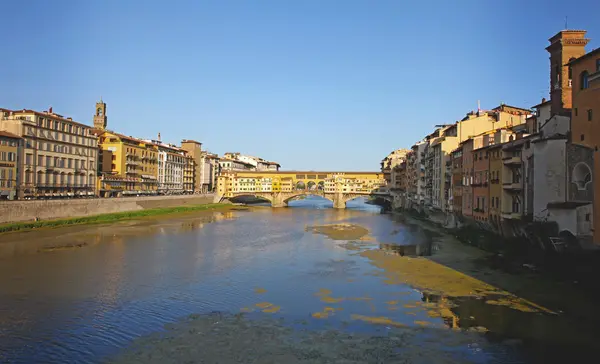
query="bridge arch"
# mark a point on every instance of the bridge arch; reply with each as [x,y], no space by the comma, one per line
[291,196]
[263,196]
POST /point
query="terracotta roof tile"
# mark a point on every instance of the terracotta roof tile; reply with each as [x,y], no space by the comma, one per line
[9,135]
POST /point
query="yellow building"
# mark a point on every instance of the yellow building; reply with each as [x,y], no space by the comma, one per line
[9,167]
[236,182]
[287,184]
[276,184]
[189,172]
[129,166]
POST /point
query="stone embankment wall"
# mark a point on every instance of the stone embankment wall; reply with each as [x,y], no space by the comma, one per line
[15,211]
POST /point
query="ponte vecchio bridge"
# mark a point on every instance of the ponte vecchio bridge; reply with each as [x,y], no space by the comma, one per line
[281,187]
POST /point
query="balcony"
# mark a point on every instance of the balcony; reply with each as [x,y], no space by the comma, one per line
[511,160]
[513,186]
[509,215]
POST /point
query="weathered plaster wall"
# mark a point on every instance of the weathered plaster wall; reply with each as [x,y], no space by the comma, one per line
[549,175]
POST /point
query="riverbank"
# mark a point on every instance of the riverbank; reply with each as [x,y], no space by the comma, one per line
[110,218]
[553,282]
[35,210]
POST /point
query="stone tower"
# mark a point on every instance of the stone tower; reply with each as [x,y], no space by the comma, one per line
[565,46]
[100,116]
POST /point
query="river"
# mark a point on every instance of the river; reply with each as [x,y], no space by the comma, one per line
[301,284]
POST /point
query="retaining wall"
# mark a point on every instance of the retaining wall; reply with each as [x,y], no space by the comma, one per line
[14,211]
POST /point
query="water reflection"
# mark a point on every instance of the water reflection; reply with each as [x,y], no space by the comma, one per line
[415,250]
[129,279]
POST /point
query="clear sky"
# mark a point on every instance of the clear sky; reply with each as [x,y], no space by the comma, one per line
[313,84]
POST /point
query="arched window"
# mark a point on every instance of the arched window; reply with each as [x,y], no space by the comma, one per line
[585,80]
[582,175]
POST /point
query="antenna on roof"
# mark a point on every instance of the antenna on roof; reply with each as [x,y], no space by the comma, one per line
[566,22]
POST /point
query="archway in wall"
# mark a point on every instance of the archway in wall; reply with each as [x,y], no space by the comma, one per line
[582,175]
[321,185]
[311,186]
[300,185]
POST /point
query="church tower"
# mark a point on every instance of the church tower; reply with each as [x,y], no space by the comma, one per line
[564,47]
[100,116]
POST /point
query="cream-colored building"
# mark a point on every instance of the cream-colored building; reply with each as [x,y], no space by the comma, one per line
[210,169]
[252,163]
[59,155]
[171,166]
[449,137]
[235,165]
[10,158]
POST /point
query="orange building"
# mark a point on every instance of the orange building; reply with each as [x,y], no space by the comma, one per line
[467,175]
[481,167]
[585,124]
[565,46]
[457,180]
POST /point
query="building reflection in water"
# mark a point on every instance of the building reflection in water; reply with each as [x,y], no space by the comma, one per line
[543,336]
[415,250]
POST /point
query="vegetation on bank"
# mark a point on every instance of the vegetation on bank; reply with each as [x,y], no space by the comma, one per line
[108,218]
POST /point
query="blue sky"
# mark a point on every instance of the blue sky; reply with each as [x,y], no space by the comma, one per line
[312,84]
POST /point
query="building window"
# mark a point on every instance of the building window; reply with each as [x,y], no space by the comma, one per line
[598,65]
[516,204]
[582,137]
[590,115]
[575,111]
[584,80]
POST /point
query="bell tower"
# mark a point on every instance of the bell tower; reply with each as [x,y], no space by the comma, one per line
[565,46]
[100,116]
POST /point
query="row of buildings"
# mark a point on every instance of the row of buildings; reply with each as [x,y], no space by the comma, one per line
[508,166]
[46,155]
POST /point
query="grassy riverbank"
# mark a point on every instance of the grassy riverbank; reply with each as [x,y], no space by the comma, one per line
[108,218]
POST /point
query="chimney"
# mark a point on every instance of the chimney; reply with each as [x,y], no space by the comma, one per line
[543,100]
[50,110]
[159,137]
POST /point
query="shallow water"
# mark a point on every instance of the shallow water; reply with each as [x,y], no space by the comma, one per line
[118,282]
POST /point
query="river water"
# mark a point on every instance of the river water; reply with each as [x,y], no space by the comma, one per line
[321,277]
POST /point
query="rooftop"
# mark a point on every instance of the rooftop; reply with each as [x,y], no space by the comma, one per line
[190,141]
[9,135]
[48,114]
[544,102]
[585,56]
